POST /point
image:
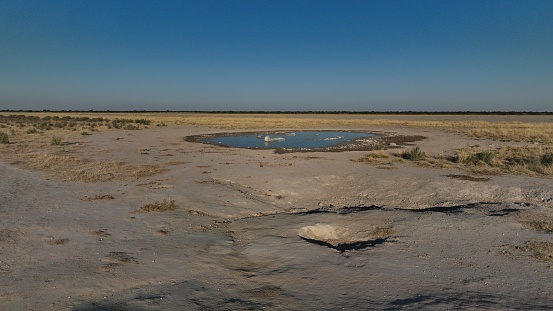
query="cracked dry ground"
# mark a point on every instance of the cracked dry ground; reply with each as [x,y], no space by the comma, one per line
[395,239]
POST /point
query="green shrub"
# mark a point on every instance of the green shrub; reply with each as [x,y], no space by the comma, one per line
[4,138]
[415,154]
[56,140]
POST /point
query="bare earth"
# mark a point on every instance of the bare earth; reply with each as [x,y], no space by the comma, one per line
[257,230]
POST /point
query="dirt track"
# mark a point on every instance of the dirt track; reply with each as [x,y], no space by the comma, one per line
[233,242]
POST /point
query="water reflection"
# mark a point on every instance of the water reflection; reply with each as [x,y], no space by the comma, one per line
[289,140]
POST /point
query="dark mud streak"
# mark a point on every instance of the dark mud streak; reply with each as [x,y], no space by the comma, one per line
[343,247]
[449,209]
[196,295]
[469,178]
[341,210]
[443,209]
[460,301]
[438,209]
[503,212]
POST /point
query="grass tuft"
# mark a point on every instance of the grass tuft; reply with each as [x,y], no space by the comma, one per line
[4,139]
[517,160]
[56,140]
[469,157]
[159,206]
[373,157]
[415,154]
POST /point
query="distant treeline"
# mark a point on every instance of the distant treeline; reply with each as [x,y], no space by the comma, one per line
[304,112]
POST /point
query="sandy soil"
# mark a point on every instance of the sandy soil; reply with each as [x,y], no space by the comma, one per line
[234,241]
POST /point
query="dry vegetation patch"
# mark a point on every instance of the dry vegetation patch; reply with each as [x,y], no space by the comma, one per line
[159,206]
[373,157]
[526,160]
[31,148]
[507,131]
[514,131]
[100,197]
[540,250]
[529,160]
[539,225]
[73,168]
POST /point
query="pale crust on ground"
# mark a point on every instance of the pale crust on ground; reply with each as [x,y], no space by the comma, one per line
[242,234]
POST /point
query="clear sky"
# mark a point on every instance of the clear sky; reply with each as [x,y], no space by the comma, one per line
[390,55]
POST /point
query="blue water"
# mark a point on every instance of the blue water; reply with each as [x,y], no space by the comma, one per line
[292,140]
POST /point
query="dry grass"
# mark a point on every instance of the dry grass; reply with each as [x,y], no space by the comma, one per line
[514,131]
[534,160]
[373,157]
[415,154]
[72,168]
[159,206]
[101,197]
[541,226]
[508,131]
[526,160]
[30,146]
[540,250]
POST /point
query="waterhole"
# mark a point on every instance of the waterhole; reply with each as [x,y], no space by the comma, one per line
[288,140]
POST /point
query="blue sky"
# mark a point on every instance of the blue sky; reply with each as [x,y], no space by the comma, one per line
[391,55]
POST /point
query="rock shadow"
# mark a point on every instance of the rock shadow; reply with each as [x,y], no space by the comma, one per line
[343,247]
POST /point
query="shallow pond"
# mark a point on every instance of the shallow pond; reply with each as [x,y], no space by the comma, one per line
[288,140]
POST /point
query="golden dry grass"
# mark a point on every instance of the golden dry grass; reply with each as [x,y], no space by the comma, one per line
[34,148]
[540,250]
[501,130]
[526,160]
[539,225]
[71,168]
[29,141]
[373,157]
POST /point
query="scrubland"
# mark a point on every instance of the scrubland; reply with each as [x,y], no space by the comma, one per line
[118,211]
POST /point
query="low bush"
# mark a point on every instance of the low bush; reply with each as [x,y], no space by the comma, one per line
[56,140]
[518,160]
[4,139]
[415,154]
[475,157]
[547,159]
